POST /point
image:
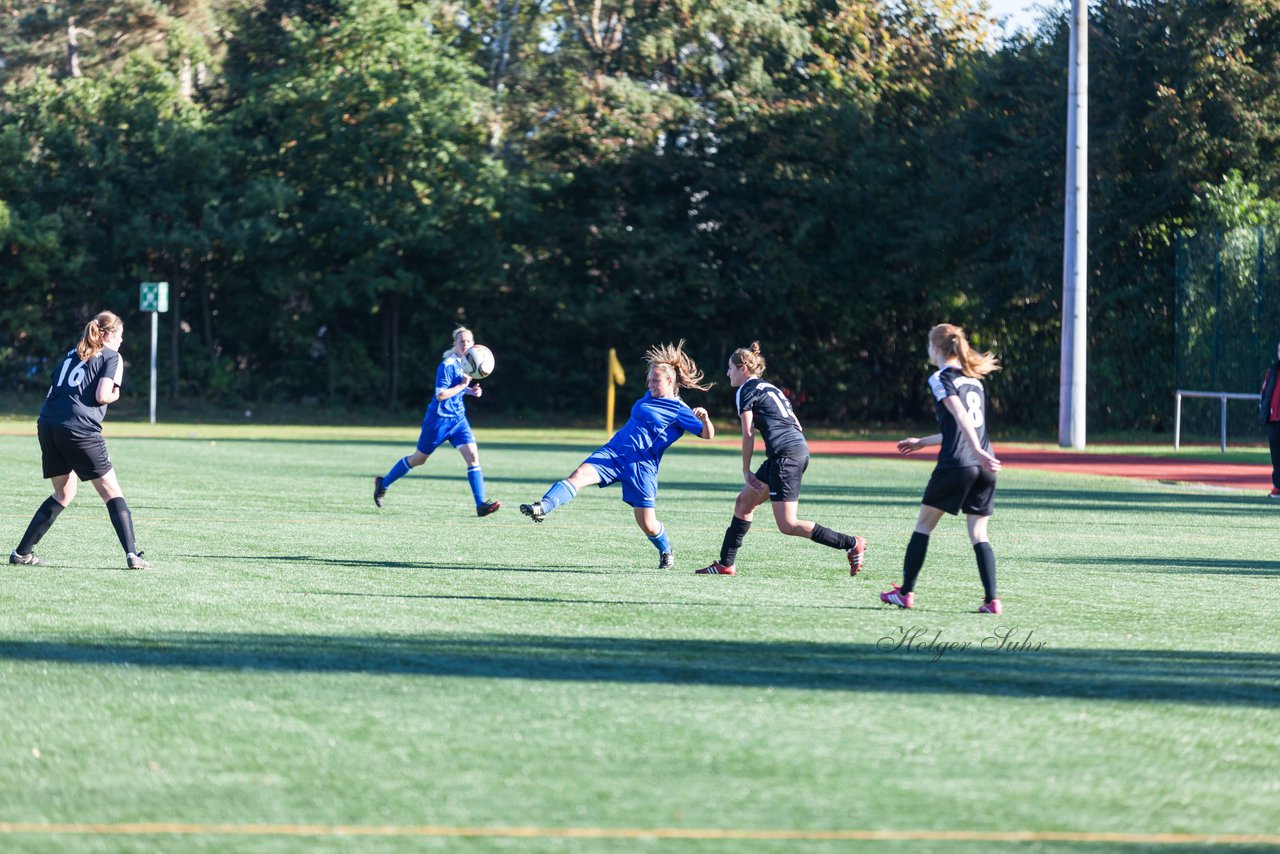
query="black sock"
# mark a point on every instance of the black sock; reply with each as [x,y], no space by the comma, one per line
[122,521]
[917,548]
[828,537]
[40,523]
[986,569]
[733,537]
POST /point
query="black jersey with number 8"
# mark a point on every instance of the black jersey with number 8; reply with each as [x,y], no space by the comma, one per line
[956,452]
[73,397]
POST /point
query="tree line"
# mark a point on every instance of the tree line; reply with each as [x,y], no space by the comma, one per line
[329,186]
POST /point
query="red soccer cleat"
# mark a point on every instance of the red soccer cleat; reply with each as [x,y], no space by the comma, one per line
[897,597]
[857,554]
[716,569]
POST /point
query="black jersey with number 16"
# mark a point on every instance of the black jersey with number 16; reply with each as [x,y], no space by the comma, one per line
[772,414]
[956,452]
[73,396]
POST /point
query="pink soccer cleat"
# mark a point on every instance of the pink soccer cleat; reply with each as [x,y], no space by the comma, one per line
[897,597]
[857,554]
[992,607]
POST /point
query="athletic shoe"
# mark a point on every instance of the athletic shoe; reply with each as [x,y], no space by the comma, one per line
[667,561]
[897,597]
[716,569]
[992,607]
[488,507]
[1275,493]
[135,561]
[534,511]
[378,491]
[27,560]
[857,554]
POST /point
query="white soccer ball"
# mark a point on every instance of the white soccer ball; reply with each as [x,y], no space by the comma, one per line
[478,362]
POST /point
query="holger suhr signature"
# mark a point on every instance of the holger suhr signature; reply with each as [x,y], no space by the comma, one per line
[930,642]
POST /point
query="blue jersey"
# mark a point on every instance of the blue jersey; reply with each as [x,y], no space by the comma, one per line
[656,422]
[448,375]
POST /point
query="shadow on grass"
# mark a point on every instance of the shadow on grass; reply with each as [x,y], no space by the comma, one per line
[339,561]
[1198,566]
[1173,676]
[548,600]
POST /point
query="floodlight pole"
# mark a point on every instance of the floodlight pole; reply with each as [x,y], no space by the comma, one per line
[1075,248]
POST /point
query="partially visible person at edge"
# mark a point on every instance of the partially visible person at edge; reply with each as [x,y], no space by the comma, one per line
[1269,410]
[632,456]
[965,475]
[446,420]
[762,406]
[72,449]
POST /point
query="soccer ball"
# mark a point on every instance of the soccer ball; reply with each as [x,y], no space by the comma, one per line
[478,362]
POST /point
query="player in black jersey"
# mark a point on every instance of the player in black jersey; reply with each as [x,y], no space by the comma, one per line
[762,406]
[965,476]
[85,381]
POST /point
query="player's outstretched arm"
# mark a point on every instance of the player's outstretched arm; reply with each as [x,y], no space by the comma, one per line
[911,443]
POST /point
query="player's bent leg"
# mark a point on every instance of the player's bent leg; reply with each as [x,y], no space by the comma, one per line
[65,487]
[107,485]
[121,519]
[928,519]
[986,558]
[475,478]
[785,514]
[647,519]
[561,492]
[41,521]
[744,506]
[978,529]
[903,595]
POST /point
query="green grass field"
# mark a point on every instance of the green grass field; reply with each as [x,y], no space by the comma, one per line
[299,665]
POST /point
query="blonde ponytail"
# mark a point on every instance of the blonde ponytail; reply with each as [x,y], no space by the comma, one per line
[951,342]
[95,334]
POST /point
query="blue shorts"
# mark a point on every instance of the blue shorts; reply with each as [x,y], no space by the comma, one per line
[435,431]
[639,479]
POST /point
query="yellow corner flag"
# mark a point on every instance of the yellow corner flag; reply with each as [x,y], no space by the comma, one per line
[616,377]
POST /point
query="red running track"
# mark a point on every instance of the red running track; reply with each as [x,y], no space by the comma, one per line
[1208,472]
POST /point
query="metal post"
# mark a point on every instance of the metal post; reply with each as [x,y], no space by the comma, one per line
[1224,424]
[1075,250]
[155,323]
[1177,419]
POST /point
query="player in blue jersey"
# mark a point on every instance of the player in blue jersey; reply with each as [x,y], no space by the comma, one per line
[72,449]
[965,475]
[446,420]
[762,406]
[632,456]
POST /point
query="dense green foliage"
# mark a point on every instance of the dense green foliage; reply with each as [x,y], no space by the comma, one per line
[330,185]
[316,662]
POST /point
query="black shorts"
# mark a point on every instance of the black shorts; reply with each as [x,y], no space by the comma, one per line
[63,450]
[969,488]
[783,475]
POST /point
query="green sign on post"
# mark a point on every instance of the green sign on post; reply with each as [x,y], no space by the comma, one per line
[153,296]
